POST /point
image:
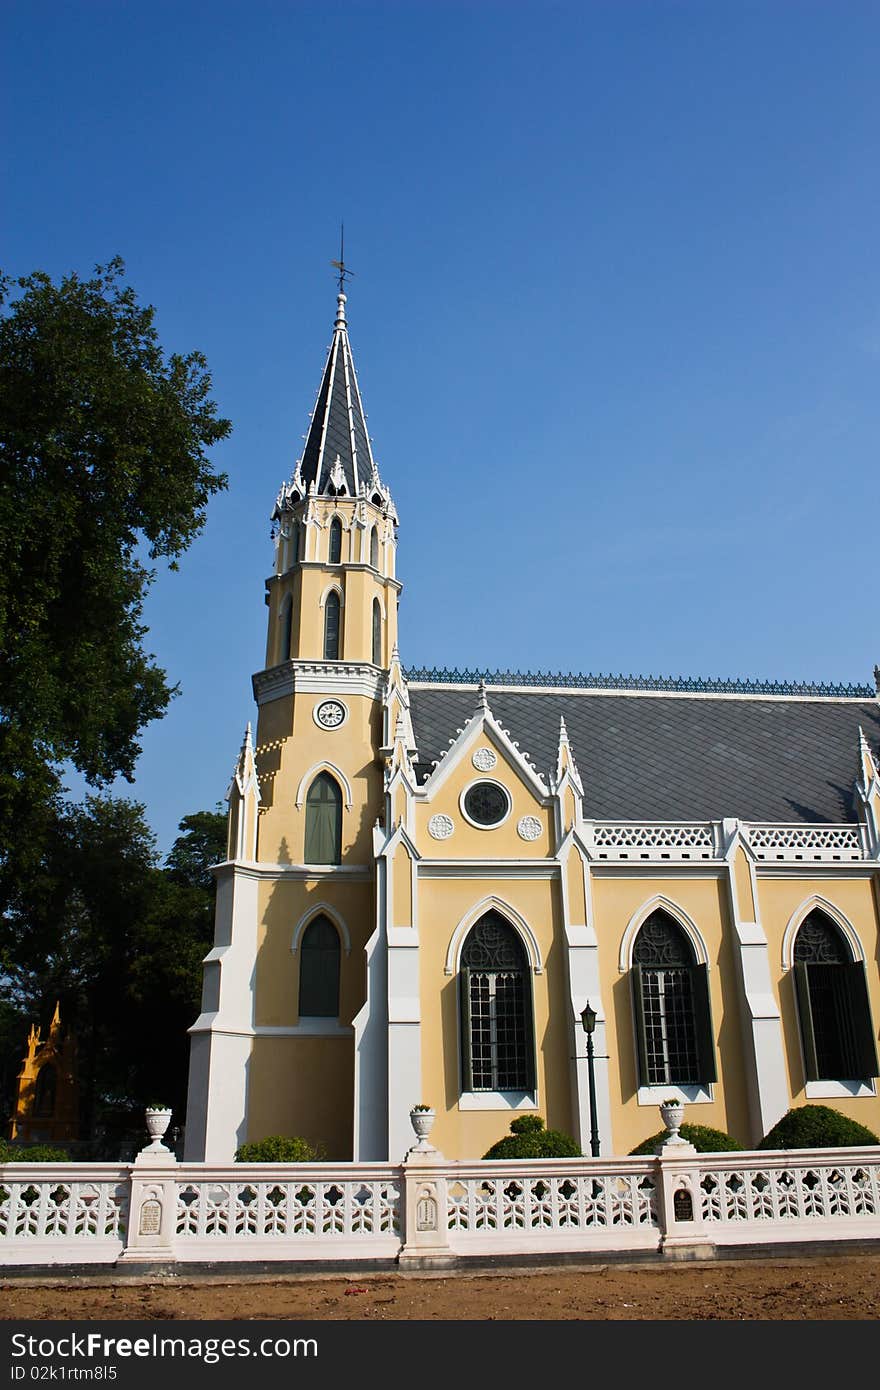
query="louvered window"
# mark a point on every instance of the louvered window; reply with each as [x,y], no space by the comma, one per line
[323,844]
[377,633]
[497,1033]
[286,627]
[332,611]
[319,970]
[832,1000]
[374,548]
[335,553]
[671,1000]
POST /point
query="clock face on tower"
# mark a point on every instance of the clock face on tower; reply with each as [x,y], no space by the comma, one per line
[330,714]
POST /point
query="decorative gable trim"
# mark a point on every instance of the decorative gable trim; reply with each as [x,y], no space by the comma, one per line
[510,914]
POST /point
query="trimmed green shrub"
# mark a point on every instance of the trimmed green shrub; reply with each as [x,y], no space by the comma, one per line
[32,1153]
[278,1148]
[704,1139]
[529,1139]
[817,1127]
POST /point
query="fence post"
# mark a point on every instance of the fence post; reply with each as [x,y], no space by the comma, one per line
[152,1208]
[426,1221]
[683,1232]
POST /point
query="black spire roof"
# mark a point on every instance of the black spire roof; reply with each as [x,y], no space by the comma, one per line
[338,430]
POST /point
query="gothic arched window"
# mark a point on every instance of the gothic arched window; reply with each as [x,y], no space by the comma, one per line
[286,627]
[832,1000]
[377,633]
[293,544]
[497,1035]
[332,612]
[671,1000]
[323,843]
[319,970]
[335,541]
[374,548]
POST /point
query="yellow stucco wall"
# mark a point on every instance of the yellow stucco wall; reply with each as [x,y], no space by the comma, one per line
[304,1087]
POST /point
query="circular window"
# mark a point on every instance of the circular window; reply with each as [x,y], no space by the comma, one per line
[486,803]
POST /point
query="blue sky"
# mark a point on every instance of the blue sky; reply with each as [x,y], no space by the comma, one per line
[615,313]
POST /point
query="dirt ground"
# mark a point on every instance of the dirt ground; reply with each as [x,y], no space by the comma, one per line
[835,1287]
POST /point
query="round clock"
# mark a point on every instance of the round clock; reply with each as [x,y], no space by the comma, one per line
[330,714]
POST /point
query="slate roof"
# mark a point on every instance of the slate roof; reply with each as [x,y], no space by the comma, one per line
[338,427]
[675,756]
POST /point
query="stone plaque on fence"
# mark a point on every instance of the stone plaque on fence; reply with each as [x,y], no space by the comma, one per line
[151,1218]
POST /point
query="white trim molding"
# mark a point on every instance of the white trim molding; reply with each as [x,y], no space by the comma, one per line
[473,915]
[318,910]
[308,777]
[810,904]
[679,916]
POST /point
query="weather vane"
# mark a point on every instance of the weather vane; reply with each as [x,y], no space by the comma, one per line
[340,264]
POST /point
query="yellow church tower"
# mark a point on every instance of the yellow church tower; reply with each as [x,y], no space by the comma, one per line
[277,1047]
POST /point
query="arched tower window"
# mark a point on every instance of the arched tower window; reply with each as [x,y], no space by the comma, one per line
[319,970]
[335,554]
[671,1000]
[832,1000]
[377,633]
[374,548]
[45,1091]
[323,843]
[286,628]
[331,627]
[497,1034]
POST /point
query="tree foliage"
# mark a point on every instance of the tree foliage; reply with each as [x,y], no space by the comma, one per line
[817,1127]
[103,469]
[119,941]
[529,1139]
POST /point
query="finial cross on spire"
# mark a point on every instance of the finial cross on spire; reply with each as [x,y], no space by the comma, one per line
[340,264]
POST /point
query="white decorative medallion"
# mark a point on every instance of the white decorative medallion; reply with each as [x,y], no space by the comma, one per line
[484,760]
[329,714]
[528,828]
[440,827]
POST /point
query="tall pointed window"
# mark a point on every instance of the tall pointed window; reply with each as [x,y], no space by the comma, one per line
[286,628]
[293,544]
[832,1001]
[331,627]
[335,554]
[377,633]
[374,548]
[671,999]
[319,970]
[323,844]
[497,1034]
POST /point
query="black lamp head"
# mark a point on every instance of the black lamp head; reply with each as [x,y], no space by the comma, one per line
[588,1018]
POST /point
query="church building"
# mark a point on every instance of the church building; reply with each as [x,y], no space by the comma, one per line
[430,875]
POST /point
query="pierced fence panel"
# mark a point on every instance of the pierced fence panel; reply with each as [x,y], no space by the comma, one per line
[61,1213]
[813,1195]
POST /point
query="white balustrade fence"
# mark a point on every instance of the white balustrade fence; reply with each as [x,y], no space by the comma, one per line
[430,1212]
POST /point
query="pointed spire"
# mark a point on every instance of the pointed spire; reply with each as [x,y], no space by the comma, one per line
[337,457]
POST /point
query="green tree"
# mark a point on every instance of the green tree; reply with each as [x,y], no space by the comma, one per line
[119,940]
[103,470]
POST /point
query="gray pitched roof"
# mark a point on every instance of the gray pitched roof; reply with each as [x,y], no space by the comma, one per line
[675,756]
[338,427]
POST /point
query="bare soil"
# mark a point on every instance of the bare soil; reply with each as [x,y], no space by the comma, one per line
[831,1287]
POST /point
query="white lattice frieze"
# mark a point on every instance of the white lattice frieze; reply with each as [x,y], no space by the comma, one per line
[54,1209]
[795,843]
[512,1205]
[652,840]
[288,1210]
[756,1193]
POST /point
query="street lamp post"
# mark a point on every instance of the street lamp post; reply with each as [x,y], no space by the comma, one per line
[588,1019]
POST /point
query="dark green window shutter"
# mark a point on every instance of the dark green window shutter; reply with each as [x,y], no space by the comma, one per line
[335,541]
[529,1026]
[854,1021]
[323,843]
[331,628]
[286,628]
[377,633]
[641,1038]
[319,970]
[805,1015]
[703,1024]
[464,988]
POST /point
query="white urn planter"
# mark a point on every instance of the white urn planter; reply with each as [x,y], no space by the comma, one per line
[422,1120]
[672,1115]
[157,1121]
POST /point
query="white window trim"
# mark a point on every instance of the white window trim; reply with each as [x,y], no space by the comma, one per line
[478,781]
[839,1090]
[498,1100]
[668,1090]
